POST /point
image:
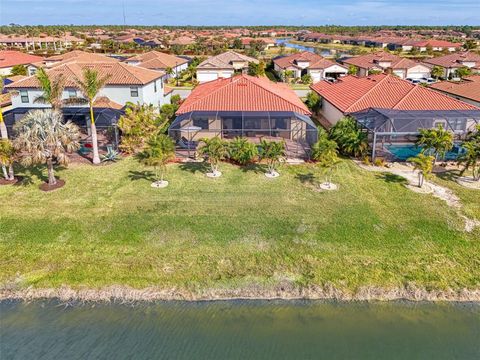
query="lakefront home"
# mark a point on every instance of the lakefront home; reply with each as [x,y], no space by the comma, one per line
[385,62]
[393,110]
[309,63]
[156,60]
[246,106]
[223,66]
[125,84]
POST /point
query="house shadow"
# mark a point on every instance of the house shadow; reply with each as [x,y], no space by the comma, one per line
[141,175]
[391,178]
[194,167]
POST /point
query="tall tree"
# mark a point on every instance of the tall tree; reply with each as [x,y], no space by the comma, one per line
[436,141]
[52,89]
[90,86]
[44,138]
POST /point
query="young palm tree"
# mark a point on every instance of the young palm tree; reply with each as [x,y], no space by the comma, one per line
[215,150]
[44,138]
[325,152]
[159,151]
[435,142]
[52,89]
[424,165]
[471,157]
[7,152]
[242,151]
[272,152]
[90,86]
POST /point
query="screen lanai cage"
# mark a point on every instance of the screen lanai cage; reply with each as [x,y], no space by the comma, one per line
[297,130]
[388,128]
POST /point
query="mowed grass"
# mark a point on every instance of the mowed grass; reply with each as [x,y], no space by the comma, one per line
[107,226]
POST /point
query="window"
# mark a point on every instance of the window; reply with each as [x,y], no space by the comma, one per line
[155,86]
[134,91]
[24,96]
[72,93]
[201,122]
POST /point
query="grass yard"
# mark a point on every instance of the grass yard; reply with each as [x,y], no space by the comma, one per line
[107,226]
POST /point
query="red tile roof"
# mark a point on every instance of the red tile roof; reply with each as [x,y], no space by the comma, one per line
[371,61]
[436,43]
[9,58]
[80,56]
[468,88]
[352,94]
[243,93]
[316,61]
[157,60]
[119,74]
[455,60]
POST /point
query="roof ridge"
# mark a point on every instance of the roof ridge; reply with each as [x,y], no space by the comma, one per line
[272,92]
[414,88]
[231,80]
[368,92]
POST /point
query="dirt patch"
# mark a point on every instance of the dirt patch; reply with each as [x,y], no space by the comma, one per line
[46,187]
[9,182]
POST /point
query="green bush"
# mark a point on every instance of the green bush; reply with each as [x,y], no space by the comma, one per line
[242,151]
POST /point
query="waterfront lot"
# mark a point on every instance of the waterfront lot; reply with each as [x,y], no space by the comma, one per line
[107,226]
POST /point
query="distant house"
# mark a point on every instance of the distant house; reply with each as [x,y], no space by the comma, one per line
[223,66]
[436,45]
[182,41]
[386,62]
[307,62]
[246,42]
[78,56]
[11,58]
[244,106]
[467,90]
[155,60]
[450,63]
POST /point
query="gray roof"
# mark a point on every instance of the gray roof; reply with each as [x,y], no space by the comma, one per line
[224,61]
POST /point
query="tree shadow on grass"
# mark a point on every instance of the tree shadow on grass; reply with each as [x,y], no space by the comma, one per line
[255,168]
[307,178]
[141,175]
[392,178]
[195,167]
[27,174]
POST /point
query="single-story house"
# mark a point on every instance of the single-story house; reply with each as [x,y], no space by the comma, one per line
[466,90]
[307,62]
[246,106]
[155,60]
[386,62]
[436,45]
[224,65]
[11,58]
[450,63]
[393,110]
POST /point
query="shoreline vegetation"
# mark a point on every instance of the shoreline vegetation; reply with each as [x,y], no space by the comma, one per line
[253,292]
[108,235]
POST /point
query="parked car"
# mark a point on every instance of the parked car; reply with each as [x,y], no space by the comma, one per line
[428,80]
[414,81]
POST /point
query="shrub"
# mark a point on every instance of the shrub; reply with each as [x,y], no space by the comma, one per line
[380,162]
[242,151]
[324,151]
[351,140]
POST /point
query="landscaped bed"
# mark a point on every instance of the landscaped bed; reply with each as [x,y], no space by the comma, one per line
[242,233]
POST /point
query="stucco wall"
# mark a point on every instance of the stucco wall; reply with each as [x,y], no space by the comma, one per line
[330,112]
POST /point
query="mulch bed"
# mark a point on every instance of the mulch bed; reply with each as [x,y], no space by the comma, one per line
[9,182]
[46,187]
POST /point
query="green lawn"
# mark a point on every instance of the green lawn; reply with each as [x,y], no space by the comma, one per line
[107,226]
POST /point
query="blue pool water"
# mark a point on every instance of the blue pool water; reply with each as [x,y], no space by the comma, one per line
[403,152]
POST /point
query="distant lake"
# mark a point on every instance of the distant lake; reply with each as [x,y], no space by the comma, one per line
[240,330]
[323,51]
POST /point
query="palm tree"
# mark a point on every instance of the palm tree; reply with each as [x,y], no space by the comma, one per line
[215,150]
[424,165]
[52,89]
[350,138]
[435,141]
[437,72]
[272,152]
[471,157]
[44,138]
[7,152]
[159,151]
[90,86]
[242,151]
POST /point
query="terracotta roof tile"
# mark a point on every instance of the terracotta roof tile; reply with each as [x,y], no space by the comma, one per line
[157,60]
[316,61]
[224,61]
[80,56]
[9,58]
[468,88]
[370,61]
[243,93]
[352,94]
[455,60]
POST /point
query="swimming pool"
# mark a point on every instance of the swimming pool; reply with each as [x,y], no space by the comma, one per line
[403,152]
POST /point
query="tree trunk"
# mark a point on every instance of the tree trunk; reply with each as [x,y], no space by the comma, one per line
[3,128]
[4,170]
[11,174]
[51,173]
[93,127]
[420,180]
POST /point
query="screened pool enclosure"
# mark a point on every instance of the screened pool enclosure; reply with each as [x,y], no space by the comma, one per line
[387,127]
[298,131]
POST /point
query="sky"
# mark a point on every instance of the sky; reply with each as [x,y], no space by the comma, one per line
[241,12]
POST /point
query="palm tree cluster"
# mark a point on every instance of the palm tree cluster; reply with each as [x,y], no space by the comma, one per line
[436,142]
[351,140]
[471,158]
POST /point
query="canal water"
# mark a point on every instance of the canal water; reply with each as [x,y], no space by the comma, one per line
[239,330]
[325,52]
